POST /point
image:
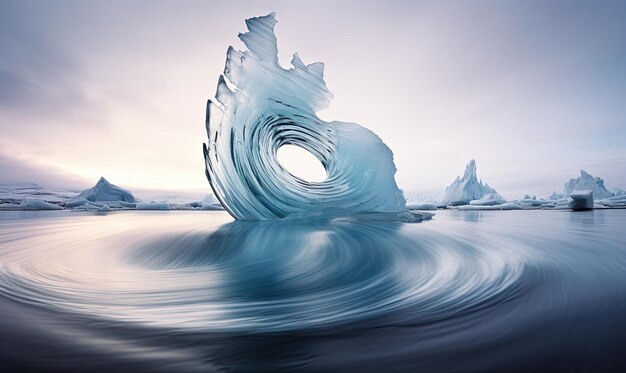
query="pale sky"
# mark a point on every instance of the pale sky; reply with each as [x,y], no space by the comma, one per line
[533,90]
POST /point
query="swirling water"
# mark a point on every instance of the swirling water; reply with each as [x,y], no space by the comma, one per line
[188,291]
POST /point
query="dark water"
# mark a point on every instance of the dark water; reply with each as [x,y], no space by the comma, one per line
[192,291]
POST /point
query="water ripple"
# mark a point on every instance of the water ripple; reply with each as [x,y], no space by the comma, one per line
[254,277]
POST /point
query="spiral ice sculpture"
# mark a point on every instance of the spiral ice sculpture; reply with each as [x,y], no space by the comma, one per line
[259,107]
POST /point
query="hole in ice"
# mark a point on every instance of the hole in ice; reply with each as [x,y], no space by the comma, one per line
[301,163]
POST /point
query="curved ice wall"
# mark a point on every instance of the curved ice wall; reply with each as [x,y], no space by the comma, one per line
[259,107]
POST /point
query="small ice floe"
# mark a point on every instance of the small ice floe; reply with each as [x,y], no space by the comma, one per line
[403,216]
[615,201]
[490,199]
[503,206]
[153,206]
[422,206]
[207,203]
[530,202]
[76,202]
[91,206]
[36,204]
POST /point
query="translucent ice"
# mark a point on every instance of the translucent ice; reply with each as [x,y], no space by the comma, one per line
[259,107]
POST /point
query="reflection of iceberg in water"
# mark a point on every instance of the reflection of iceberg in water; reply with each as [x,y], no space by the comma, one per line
[298,275]
[260,107]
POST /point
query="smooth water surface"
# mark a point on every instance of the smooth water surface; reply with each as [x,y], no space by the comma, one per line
[189,291]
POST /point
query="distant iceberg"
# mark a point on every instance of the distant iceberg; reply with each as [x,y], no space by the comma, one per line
[103,191]
[466,189]
[587,182]
[575,194]
[259,106]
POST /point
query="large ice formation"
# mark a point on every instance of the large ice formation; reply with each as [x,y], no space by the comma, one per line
[587,182]
[259,107]
[466,189]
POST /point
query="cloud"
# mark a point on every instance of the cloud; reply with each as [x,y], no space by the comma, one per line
[14,170]
[532,91]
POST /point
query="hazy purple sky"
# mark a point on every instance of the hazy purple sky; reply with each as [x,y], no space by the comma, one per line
[534,90]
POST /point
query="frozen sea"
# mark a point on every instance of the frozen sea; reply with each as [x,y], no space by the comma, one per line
[196,291]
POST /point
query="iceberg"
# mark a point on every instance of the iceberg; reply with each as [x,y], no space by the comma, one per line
[587,182]
[581,200]
[103,191]
[260,106]
[466,189]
